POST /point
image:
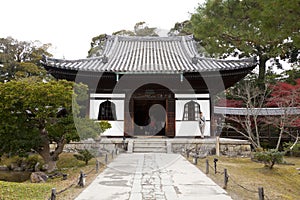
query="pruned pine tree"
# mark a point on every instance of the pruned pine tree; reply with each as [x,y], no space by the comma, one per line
[266,29]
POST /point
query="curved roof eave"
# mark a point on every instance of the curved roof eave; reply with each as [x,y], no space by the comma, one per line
[129,54]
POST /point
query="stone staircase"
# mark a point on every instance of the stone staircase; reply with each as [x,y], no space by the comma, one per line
[149,146]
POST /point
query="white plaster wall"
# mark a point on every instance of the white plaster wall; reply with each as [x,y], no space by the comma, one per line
[94,108]
[191,129]
[117,129]
[183,128]
[204,106]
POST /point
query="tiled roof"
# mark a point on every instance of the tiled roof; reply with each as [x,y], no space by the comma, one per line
[150,55]
[256,111]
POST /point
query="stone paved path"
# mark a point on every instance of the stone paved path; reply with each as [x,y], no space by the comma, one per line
[152,176]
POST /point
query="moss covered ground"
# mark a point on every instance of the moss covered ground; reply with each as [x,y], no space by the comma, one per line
[39,191]
[245,176]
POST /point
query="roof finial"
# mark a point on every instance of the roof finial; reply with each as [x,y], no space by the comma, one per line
[104,59]
[44,58]
[194,60]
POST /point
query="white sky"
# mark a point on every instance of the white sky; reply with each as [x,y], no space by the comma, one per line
[69,25]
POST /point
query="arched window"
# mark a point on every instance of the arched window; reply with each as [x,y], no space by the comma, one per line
[191,111]
[107,111]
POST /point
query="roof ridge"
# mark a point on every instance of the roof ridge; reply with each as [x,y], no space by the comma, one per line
[149,38]
[46,58]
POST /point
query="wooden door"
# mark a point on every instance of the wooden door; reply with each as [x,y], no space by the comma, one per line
[128,118]
[170,126]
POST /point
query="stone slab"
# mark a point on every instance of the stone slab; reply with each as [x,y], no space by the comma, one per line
[152,176]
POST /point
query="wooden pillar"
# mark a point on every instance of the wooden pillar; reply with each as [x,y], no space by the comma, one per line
[170,121]
[88,104]
[128,117]
[212,117]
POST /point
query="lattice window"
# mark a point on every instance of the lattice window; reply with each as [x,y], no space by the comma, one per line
[107,111]
[191,111]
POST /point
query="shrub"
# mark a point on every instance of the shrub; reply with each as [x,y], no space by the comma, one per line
[104,125]
[84,155]
[270,157]
[27,163]
[31,161]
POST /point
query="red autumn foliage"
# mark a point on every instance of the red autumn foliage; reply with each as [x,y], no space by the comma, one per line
[296,123]
[285,95]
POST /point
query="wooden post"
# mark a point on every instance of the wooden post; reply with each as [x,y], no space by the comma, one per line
[81,181]
[215,164]
[207,167]
[97,166]
[112,154]
[65,177]
[123,143]
[106,159]
[195,160]
[187,153]
[217,146]
[225,178]
[53,194]
[261,194]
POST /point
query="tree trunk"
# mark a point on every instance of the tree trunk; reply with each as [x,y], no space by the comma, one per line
[262,69]
[279,138]
[49,157]
[51,165]
[257,132]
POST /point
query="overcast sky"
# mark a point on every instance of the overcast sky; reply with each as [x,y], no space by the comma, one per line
[69,25]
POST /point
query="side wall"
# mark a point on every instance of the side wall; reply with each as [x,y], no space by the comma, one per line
[191,128]
[117,129]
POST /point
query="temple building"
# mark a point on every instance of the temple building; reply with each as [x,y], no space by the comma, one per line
[151,86]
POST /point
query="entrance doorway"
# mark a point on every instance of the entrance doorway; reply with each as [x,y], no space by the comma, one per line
[151,112]
[149,117]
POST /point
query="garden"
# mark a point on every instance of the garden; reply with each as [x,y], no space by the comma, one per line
[66,187]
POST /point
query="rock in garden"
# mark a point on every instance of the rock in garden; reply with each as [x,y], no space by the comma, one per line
[18,169]
[4,168]
[55,175]
[13,166]
[45,167]
[38,177]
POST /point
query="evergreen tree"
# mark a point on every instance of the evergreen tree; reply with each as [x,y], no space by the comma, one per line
[267,29]
[20,59]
